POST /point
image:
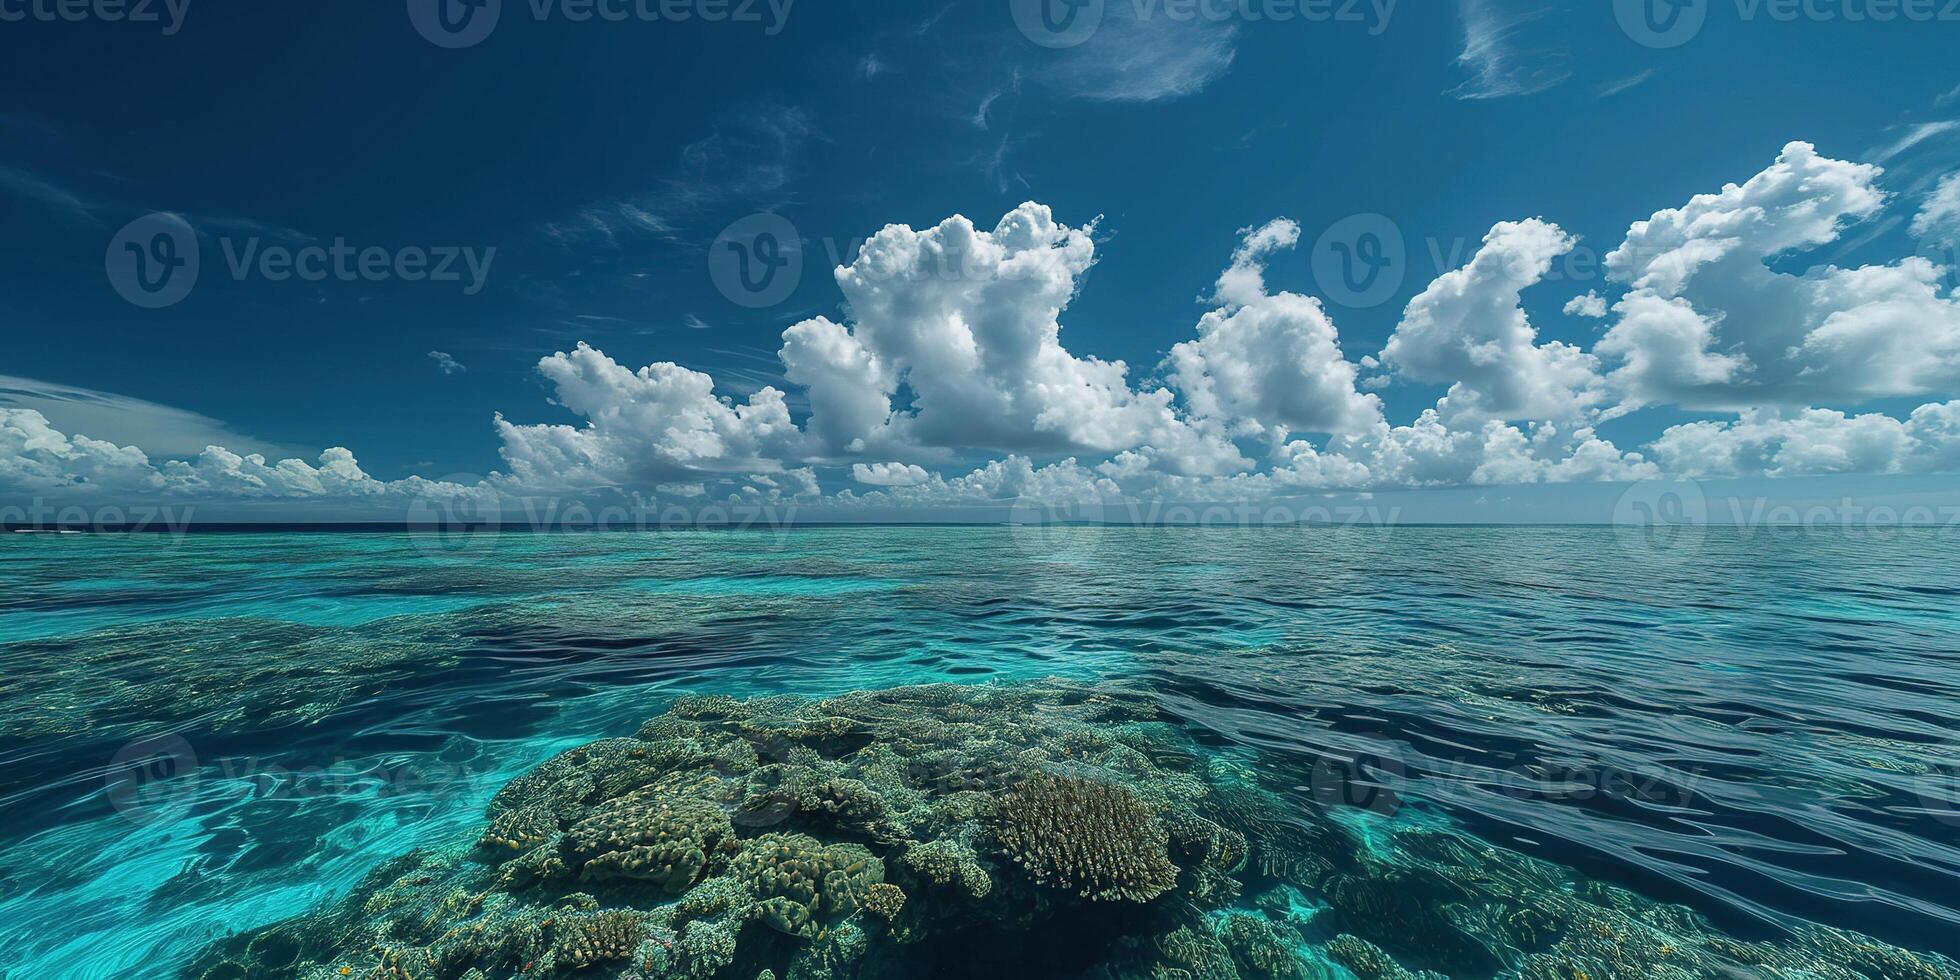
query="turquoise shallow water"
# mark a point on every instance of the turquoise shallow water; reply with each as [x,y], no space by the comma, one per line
[206,734]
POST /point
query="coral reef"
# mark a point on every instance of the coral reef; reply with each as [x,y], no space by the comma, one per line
[123,681]
[1041,829]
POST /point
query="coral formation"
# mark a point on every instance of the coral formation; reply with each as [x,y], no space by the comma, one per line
[653,834]
[597,937]
[1089,837]
[949,863]
[1051,828]
[520,829]
[884,900]
[1258,949]
[800,884]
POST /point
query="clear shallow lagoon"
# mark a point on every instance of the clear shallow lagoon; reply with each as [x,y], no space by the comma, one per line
[206,734]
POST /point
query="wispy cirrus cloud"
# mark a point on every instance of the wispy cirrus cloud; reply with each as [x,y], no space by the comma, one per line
[1501,55]
[161,429]
[1914,136]
[85,195]
[1630,82]
[752,160]
[1144,59]
[983,114]
[20,183]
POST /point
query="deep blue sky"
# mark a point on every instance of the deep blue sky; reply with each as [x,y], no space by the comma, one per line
[339,121]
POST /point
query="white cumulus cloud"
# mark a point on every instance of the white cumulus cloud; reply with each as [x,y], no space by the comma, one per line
[1469,330]
[1590,305]
[1815,441]
[36,457]
[889,474]
[966,322]
[1709,324]
[949,352]
[660,424]
[1938,219]
[1270,359]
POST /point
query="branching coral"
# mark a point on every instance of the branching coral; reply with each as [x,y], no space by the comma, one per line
[1084,836]
[520,829]
[598,937]
[1367,961]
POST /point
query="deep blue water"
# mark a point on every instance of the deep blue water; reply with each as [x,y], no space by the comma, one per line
[207,733]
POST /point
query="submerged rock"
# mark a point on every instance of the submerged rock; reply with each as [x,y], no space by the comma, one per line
[1044,829]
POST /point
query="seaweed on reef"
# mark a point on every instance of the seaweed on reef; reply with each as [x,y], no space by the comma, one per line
[1047,828]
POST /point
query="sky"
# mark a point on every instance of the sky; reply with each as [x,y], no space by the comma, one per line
[1505,260]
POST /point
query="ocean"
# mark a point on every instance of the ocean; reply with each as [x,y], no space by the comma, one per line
[1468,750]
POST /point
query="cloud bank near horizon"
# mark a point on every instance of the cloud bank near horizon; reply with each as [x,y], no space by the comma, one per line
[953,349]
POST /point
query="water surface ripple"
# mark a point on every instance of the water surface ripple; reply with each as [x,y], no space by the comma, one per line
[205,734]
